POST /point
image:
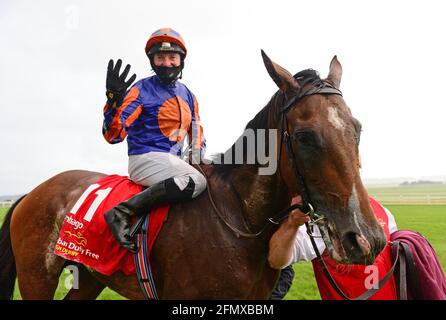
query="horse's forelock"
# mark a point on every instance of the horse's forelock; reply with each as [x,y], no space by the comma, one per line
[307,76]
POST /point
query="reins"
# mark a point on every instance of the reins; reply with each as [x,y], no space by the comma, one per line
[323,87]
[318,87]
[273,220]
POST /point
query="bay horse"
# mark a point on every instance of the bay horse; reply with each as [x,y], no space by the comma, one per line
[196,255]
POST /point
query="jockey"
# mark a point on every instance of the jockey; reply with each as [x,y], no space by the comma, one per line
[155,115]
[291,244]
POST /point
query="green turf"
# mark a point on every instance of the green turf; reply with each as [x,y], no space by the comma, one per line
[411,189]
[428,220]
[304,285]
[412,194]
[2,214]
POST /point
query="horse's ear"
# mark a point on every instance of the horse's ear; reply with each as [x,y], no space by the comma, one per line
[335,73]
[283,79]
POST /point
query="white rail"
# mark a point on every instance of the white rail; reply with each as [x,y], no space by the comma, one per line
[410,198]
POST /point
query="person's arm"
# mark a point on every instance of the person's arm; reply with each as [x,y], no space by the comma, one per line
[195,133]
[118,119]
[117,109]
[282,243]
[392,223]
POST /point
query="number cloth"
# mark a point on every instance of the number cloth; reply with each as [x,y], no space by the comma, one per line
[85,236]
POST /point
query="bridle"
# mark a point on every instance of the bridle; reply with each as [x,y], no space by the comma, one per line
[323,87]
[318,86]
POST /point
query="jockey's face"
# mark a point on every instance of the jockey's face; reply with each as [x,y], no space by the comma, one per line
[167,59]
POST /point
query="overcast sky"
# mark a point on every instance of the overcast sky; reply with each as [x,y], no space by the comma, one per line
[54,55]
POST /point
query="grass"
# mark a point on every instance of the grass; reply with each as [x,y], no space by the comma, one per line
[429,220]
[3,214]
[410,194]
[304,285]
[409,189]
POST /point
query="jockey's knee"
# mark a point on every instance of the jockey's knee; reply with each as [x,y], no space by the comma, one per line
[194,183]
[200,184]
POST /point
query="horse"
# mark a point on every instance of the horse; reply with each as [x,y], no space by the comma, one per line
[216,246]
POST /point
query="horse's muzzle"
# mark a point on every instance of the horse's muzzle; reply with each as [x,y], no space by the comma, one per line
[359,250]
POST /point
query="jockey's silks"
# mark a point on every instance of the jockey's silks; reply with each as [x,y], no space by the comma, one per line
[155,117]
[355,279]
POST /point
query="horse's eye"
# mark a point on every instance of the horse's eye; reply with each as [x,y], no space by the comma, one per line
[306,138]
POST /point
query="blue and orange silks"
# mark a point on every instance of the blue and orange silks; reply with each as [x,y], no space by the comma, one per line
[155,117]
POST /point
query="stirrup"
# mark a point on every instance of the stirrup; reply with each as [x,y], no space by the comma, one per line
[130,246]
[137,226]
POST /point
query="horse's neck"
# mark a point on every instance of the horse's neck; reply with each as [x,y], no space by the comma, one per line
[262,196]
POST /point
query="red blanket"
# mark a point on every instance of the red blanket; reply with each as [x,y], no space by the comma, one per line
[85,236]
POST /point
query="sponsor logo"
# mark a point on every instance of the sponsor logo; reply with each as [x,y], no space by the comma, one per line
[69,248]
[75,223]
[80,239]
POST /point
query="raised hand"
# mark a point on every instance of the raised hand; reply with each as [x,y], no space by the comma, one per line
[116,84]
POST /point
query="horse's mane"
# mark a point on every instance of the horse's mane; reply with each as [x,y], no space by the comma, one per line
[262,120]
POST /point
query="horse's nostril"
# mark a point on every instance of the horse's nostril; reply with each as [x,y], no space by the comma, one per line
[363,244]
[356,244]
[349,242]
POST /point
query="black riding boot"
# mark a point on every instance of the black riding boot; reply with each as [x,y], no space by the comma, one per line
[118,218]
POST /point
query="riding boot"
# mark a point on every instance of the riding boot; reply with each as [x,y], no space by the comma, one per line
[118,218]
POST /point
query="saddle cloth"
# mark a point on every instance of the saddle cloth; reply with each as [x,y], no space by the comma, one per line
[85,236]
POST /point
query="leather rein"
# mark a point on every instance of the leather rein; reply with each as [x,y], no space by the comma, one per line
[318,86]
[324,87]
